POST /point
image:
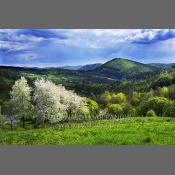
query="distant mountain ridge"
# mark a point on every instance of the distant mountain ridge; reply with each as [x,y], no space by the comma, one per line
[82,67]
[162,65]
[117,68]
[90,66]
[71,67]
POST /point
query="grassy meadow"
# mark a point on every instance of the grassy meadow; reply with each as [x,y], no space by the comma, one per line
[127,131]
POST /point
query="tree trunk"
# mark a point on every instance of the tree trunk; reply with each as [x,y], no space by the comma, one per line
[11,124]
[23,122]
[69,117]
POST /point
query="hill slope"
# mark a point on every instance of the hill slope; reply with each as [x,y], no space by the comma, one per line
[124,68]
[90,66]
[162,65]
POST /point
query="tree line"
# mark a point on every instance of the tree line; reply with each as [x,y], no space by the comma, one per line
[47,102]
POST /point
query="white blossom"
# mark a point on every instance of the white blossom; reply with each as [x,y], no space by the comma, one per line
[20,97]
[52,101]
[47,100]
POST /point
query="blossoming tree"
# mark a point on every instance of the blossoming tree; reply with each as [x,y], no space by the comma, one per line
[51,101]
[47,101]
[21,99]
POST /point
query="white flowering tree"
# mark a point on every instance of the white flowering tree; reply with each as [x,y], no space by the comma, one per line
[52,101]
[72,102]
[21,99]
[47,101]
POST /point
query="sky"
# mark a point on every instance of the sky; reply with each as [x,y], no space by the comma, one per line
[63,47]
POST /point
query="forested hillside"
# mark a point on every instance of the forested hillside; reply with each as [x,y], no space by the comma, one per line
[118,87]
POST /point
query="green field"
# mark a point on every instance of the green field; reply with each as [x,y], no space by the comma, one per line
[129,131]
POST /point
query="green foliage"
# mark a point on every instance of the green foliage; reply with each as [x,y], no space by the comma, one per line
[170,110]
[164,79]
[172,92]
[115,109]
[92,106]
[164,91]
[129,110]
[118,98]
[151,113]
[119,81]
[158,104]
[5,106]
[105,98]
[136,98]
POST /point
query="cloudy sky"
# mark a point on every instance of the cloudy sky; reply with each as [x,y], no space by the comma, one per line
[60,47]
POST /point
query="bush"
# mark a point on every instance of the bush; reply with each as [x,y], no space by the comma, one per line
[170,110]
[129,110]
[150,113]
[158,104]
[92,106]
[132,112]
[118,98]
[115,109]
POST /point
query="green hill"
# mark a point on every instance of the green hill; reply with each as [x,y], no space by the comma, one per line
[124,68]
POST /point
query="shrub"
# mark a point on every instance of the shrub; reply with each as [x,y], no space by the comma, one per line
[170,110]
[158,104]
[118,98]
[132,112]
[150,113]
[92,106]
[115,109]
[129,110]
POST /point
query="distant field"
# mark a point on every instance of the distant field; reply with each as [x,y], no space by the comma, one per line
[129,131]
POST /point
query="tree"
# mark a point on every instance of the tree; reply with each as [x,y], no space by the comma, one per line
[115,109]
[7,111]
[164,91]
[136,97]
[105,98]
[164,79]
[21,99]
[158,104]
[82,113]
[72,102]
[52,101]
[170,110]
[118,98]
[132,112]
[129,110]
[172,92]
[47,101]
[150,113]
[1,118]
[150,93]
[92,106]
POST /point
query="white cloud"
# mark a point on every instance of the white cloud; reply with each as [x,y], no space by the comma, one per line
[103,43]
[102,38]
[14,46]
[26,38]
[27,56]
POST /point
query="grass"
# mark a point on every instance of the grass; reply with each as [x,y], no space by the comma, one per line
[129,131]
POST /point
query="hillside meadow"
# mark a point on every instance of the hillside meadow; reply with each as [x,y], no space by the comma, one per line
[60,106]
[127,131]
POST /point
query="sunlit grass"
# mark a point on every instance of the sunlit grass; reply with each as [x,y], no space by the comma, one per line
[136,130]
